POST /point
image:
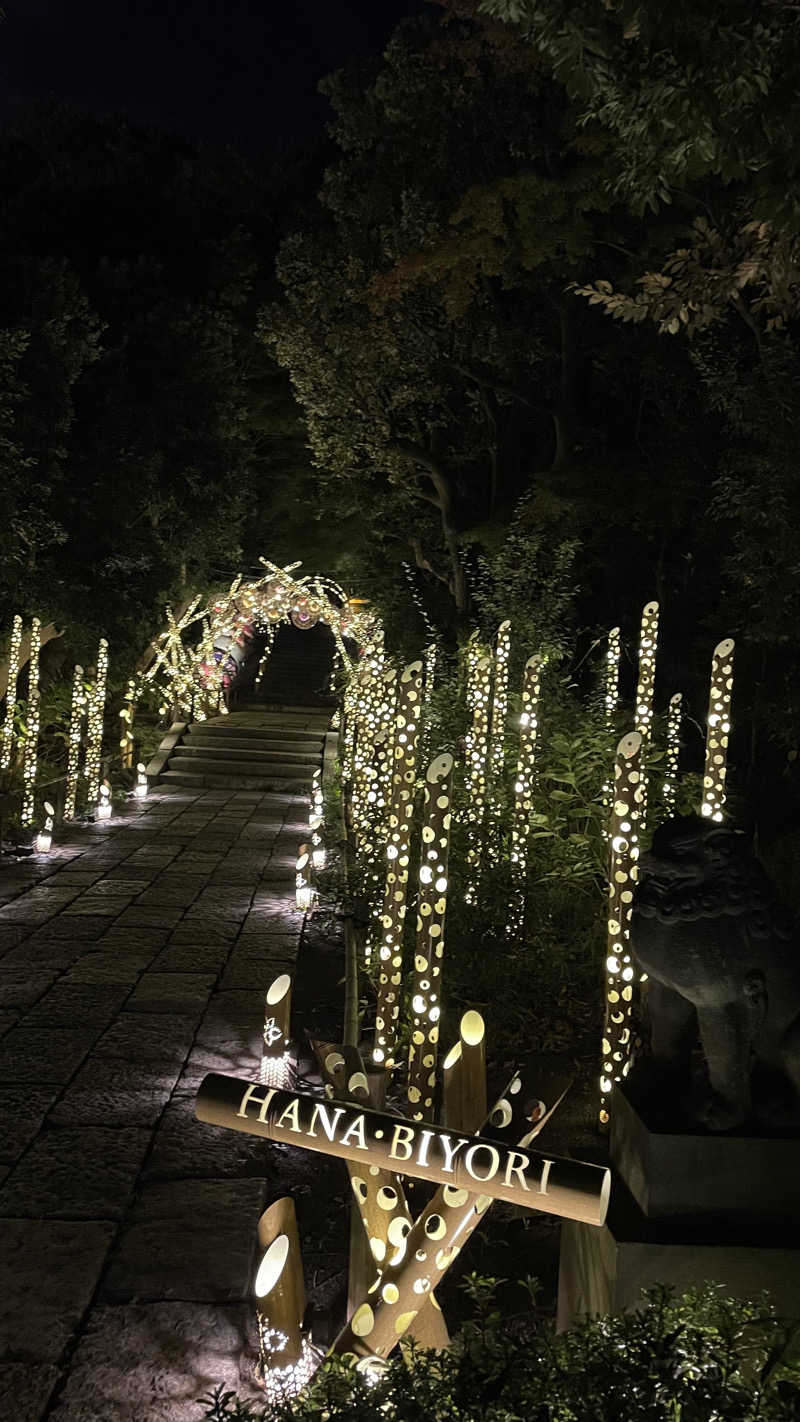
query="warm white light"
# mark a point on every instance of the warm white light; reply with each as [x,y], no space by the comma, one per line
[271,1266]
[318,857]
[43,841]
[140,788]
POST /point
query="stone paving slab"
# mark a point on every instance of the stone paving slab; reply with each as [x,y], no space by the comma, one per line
[68,1003]
[188,1239]
[111,1093]
[50,1270]
[42,1055]
[177,993]
[148,1037]
[84,1172]
[154,1361]
[22,1110]
[25,1389]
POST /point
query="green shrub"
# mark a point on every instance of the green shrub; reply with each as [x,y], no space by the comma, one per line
[704,1357]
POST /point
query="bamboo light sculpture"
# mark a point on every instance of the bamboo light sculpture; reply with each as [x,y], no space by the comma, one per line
[44,839]
[141,787]
[275,1068]
[672,752]
[612,675]
[502,653]
[623,872]
[31,754]
[96,702]
[477,767]
[464,1104]
[431,910]
[398,851]
[437,1238]
[367,724]
[286,1358]
[523,790]
[379,1200]
[11,693]
[643,720]
[304,892]
[378,803]
[718,731]
[74,744]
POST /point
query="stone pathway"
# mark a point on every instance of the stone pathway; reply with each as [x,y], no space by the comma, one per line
[132,961]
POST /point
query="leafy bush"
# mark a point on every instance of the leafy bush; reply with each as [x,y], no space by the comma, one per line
[704,1357]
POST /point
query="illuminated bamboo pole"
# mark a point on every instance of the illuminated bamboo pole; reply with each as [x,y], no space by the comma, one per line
[464,1103]
[44,839]
[126,729]
[74,744]
[718,731]
[431,910]
[304,891]
[623,832]
[502,652]
[96,702]
[379,801]
[31,754]
[672,752]
[286,1360]
[477,768]
[275,1049]
[643,719]
[11,693]
[398,853]
[437,1238]
[612,676]
[523,790]
[379,1200]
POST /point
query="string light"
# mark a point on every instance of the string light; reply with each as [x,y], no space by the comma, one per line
[718,731]
[31,754]
[624,828]
[11,693]
[523,790]
[398,853]
[431,910]
[672,752]
[74,743]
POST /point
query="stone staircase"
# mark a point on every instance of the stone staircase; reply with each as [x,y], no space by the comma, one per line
[269,747]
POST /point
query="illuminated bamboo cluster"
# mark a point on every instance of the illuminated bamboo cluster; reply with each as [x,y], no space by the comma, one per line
[398,851]
[436,1239]
[523,790]
[623,872]
[718,731]
[96,702]
[74,743]
[502,653]
[672,752]
[431,911]
[32,718]
[11,693]
[367,721]
[479,696]
[643,718]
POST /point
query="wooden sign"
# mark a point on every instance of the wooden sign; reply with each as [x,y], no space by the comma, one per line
[558,1186]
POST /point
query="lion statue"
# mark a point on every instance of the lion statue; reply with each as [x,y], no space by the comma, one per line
[721,955]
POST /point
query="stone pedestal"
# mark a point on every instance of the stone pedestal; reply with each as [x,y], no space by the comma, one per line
[686,1209]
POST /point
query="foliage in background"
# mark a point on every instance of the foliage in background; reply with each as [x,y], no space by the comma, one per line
[693,1358]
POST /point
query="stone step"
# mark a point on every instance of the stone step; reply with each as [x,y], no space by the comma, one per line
[243,723]
[253,750]
[236,769]
[211,781]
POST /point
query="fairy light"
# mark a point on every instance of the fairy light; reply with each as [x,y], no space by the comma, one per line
[718,731]
[672,752]
[502,652]
[74,743]
[643,719]
[96,702]
[523,790]
[11,693]
[398,853]
[624,825]
[431,910]
[479,694]
[31,754]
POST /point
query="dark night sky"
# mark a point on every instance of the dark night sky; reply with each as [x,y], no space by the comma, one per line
[238,71]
